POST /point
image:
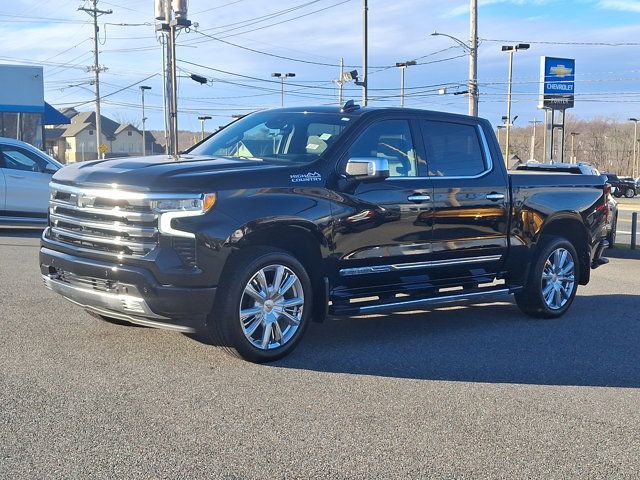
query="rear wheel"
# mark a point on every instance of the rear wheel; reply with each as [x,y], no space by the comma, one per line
[611,236]
[553,280]
[630,193]
[263,305]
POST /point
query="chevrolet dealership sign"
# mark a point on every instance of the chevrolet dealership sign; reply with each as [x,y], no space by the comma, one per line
[557,82]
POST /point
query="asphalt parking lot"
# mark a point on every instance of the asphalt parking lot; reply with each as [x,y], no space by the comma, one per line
[459,392]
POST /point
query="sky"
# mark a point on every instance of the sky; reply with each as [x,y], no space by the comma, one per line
[238,44]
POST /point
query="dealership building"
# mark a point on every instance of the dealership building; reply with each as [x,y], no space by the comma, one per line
[23,111]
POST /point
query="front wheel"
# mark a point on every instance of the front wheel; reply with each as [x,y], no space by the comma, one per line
[630,193]
[263,305]
[553,280]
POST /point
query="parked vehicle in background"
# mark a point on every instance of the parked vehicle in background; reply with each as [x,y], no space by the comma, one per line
[626,188]
[581,169]
[25,173]
[288,215]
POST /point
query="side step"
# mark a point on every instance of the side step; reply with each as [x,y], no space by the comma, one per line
[416,303]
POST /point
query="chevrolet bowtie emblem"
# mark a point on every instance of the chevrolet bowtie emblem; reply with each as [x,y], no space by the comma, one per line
[560,71]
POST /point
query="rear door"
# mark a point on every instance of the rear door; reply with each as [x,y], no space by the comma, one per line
[26,181]
[470,201]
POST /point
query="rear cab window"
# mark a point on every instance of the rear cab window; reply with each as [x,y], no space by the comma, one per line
[452,149]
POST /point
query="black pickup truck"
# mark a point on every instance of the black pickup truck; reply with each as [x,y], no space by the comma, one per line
[296,214]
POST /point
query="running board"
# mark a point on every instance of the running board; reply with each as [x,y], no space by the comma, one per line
[413,303]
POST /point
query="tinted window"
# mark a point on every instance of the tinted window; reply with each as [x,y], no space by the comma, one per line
[390,139]
[453,149]
[16,158]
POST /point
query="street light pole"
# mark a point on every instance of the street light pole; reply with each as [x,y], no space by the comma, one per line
[511,49]
[144,120]
[203,119]
[403,66]
[573,151]
[282,77]
[533,122]
[365,52]
[473,59]
[472,84]
[636,147]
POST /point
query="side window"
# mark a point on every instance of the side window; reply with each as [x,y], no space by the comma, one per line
[453,149]
[390,139]
[15,158]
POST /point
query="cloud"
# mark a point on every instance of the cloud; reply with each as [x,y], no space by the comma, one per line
[463,9]
[621,5]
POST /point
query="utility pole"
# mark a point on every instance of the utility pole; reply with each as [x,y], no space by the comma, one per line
[172,15]
[282,77]
[532,151]
[473,59]
[95,13]
[403,66]
[365,52]
[203,119]
[144,120]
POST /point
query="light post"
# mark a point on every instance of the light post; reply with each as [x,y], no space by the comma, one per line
[511,49]
[144,120]
[533,122]
[573,151]
[403,66]
[472,84]
[203,119]
[282,77]
[498,128]
[636,147]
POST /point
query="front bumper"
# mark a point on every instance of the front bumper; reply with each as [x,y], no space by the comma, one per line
[125,292]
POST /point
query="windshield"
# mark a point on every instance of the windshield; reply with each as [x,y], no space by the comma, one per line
[295,137]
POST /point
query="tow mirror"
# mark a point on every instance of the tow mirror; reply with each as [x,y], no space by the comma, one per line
[367,168]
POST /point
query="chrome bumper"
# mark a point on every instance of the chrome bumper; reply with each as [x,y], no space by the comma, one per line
[128,307]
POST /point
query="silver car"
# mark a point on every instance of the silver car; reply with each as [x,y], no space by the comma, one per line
[25,173]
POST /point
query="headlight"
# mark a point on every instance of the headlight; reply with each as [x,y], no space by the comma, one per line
[201,203]
[171,208]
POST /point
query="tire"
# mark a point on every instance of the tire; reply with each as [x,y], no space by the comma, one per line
[629,193]
[248,286]
[547,274]
[611,237]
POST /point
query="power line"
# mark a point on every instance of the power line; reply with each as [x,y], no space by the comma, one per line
[555,42]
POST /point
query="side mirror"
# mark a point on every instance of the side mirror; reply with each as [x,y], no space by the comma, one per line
[367,168]
[51,169]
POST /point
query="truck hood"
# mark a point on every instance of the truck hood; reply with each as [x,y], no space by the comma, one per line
[161,172]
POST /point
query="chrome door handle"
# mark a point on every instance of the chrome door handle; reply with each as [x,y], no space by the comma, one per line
[419,198]
[494,197]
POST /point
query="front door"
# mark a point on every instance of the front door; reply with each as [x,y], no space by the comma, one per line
[380,235]
[26,181]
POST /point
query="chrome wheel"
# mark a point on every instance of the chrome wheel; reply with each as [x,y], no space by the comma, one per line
[558,279]
[271,307]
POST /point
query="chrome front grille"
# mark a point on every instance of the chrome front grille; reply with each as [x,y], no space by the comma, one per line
[104,220]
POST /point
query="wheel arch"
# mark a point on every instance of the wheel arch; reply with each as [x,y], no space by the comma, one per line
[571,227]
[304,241]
